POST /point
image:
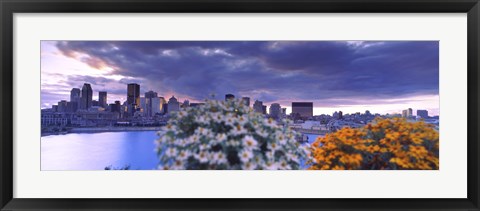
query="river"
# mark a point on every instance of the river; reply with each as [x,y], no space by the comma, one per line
[95,151]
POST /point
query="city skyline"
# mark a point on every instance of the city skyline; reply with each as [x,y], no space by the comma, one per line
[226,96]
[354,76]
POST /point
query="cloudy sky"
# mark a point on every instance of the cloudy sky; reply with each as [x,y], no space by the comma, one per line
[351,76]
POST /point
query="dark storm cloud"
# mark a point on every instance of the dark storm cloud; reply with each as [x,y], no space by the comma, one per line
[269,71]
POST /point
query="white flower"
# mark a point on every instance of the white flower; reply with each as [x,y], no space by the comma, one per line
[270,155]
[171,152]
[262,133]
[202,156]
[238,130]
[183,155]
[219,158]
[217,117]
[229,120]
[270,123]
[177,164]
[245,155]
[249,166]
[233,143]
[194,138]
[242,119]
[204,147]
[271,166]
[284,165]
[273,146]
[221,137]
[249,142]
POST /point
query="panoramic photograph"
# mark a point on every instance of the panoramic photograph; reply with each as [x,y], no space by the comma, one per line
[239,105]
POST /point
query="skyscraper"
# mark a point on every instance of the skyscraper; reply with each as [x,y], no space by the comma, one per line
[102,99]
[74,99]
[86,98]
[229,97]
[304,109]
[258,106]
[149,96]
[246,101]
[410,113]
[75,95]
[133,94]
[133,97]
[275,110]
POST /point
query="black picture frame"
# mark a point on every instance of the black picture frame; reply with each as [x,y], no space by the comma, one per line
[9,7]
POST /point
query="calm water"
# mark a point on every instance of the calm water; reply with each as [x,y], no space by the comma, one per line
[95,151]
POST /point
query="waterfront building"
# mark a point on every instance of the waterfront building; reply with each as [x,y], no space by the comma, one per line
[157,105]
[102,99]
[275,110]
[304,109]
[75,95]
[246,101]
[258,106]
[62,106]
[173,105]
[143,104]
[229,97]
[133,97]
[148,108]
[86,98]
[405,113]
[422,113]
[72,107]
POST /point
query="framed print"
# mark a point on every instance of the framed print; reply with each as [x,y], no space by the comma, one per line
[239,105]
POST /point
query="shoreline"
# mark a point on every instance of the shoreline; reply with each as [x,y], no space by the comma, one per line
[102,129]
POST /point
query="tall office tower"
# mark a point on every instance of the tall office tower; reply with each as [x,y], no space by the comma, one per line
[246,101]
[173,105]
[422,113]
[405,113]
[133,94]
[86,98]
[410,113]
[258,106]
[275,110]
[149,96]
[75,95]
[304,109]
[133,97]
[74,99]
[229,97]
[264,109]
[143,104]
[102,99]
[340,115]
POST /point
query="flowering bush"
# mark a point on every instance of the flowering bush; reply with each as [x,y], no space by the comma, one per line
[227,135]
[386,144]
